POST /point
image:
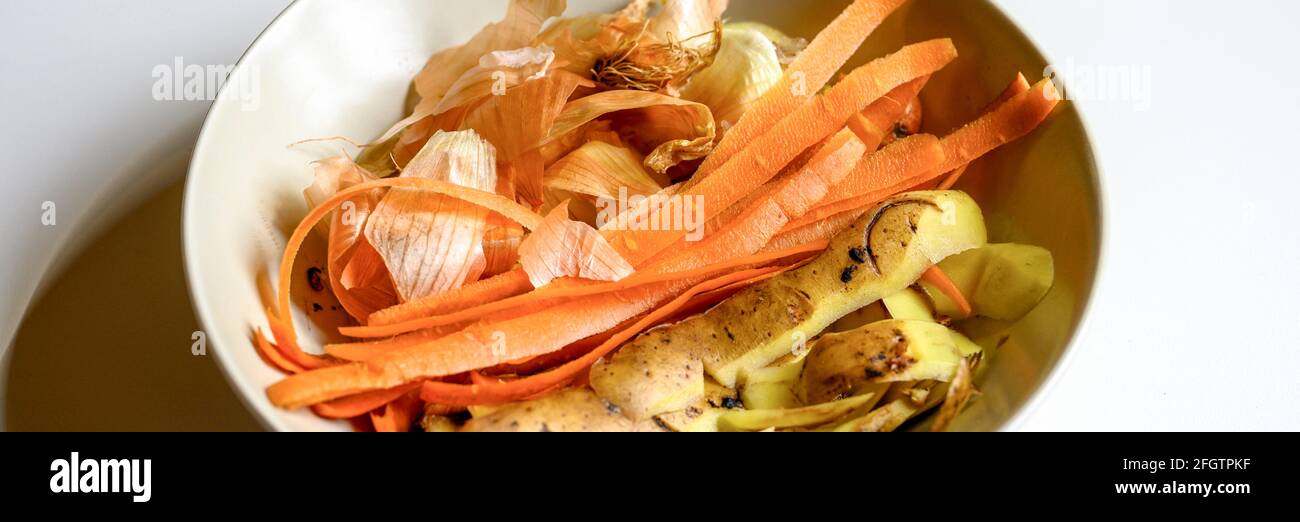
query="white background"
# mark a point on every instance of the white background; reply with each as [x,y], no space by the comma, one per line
[1196,325]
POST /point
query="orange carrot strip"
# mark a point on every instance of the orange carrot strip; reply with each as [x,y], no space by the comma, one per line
[509,284]
[286,343]
[799,193]
[488,392]
[776,205]
[935,276]
[880,175]
[364,351]
[482,345]
[893,166]
[399,415]
[359,352]
[1009,122]
[877,121]
[801,181]
[782,201]
[809,72]
[1018,85]
[570,291]
[745,235]
[816,231]
[810,124]
[569,353]
[272,356]
[361,403]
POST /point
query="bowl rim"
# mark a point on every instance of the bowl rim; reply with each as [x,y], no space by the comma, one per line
[1072,345]
[238,382]
[270,420]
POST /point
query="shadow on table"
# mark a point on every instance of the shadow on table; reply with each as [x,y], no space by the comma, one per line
[107,348]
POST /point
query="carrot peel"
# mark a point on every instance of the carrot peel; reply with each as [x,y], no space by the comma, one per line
[935,276]
[809,72]
[1018,85]
[362,403]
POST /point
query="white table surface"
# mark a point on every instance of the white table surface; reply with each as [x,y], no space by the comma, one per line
[1197,320]
[1196,323]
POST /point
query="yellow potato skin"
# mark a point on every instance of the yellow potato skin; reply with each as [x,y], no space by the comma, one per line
[861,317]
[693,420]
[803,417]
[572,410]
[658,372]
[1002,281]
[898,241]
[844,364]
[885,418]
[769,396]
[883,252]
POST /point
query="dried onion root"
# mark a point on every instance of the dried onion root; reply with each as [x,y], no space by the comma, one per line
[656,67]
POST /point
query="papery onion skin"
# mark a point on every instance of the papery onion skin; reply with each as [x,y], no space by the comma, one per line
[432,243]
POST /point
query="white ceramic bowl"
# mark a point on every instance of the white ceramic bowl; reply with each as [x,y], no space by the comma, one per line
[330,68]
